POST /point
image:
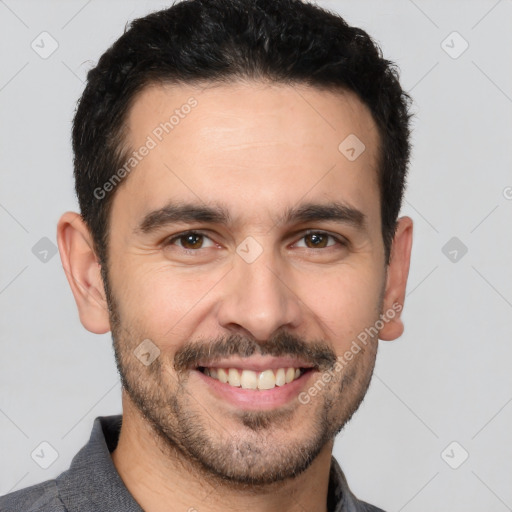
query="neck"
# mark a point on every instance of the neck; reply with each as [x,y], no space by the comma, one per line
[160,481]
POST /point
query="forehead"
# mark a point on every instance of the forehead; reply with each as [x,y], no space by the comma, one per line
[255,147]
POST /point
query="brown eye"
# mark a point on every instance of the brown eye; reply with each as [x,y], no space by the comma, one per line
[316,240]
[320,240]
[190,240]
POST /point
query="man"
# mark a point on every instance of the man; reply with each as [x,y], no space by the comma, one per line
[239,167]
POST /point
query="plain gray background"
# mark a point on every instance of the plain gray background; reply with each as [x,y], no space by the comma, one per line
[446,380]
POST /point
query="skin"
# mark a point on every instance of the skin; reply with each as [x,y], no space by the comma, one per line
[257,149]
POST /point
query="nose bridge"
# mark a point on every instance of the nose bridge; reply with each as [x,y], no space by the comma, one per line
[257,298]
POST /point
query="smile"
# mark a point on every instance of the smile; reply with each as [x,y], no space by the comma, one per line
[259,382]
[255,380]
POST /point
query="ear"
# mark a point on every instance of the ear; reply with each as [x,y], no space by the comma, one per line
[82,270]
[398,271]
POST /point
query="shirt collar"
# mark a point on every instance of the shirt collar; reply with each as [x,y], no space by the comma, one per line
[92,482]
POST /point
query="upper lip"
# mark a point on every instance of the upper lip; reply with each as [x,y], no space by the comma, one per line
[256,363]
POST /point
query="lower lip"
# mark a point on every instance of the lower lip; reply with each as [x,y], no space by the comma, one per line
[254,399]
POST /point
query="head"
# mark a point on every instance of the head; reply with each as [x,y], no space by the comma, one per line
[240,167]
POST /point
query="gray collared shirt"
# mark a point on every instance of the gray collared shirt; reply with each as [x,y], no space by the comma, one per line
[92,483]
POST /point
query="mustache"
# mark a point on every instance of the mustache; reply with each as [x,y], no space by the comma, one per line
[316,353]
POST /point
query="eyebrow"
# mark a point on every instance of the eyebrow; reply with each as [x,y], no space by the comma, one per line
[174,213]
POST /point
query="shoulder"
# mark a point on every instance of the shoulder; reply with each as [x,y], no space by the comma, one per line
[341,498]
[366,507]
[42,497]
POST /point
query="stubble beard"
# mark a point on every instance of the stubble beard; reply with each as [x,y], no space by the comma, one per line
[265,447]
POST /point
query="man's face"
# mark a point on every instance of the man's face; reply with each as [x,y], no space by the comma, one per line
[252,295]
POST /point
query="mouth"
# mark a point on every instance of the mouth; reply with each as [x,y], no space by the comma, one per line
[254,380]
[261,383]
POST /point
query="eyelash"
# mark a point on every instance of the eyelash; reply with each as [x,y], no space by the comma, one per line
[341,242]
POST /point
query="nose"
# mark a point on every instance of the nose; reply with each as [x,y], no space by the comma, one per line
[258,298]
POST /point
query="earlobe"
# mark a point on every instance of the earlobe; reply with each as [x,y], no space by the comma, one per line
[398,272]
[83,272]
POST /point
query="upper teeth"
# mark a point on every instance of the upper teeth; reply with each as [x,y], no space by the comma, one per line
[248,379]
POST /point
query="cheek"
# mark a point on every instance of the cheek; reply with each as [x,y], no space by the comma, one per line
[346,301]
[160,299]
